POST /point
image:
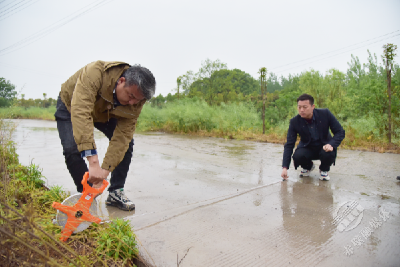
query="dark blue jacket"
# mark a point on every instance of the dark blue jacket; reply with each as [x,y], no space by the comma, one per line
[324,120]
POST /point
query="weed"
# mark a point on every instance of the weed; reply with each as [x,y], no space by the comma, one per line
[118,240]
[55,194]
[31,175]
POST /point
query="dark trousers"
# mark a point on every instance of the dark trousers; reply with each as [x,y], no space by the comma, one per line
[75,163]
[305,155]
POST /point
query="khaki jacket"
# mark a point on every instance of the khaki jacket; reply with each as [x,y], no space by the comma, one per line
[88,96]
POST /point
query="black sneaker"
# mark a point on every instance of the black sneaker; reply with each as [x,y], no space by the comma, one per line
[118,199]
[398,177]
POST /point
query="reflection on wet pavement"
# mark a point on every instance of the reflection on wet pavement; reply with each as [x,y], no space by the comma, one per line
[225,201]
[307,220]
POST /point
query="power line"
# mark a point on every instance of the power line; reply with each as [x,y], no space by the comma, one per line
[334,54]
[336,50]
[46,31]
[13,6]
[19,9]
[5,5]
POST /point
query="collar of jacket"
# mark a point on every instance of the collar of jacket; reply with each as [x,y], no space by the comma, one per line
[112,72]
[314,117]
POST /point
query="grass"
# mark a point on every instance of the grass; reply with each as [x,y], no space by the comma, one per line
[28,113]
[27,234]
[241,121]
[190,116]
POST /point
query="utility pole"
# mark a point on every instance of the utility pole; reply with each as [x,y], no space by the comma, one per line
[263,75]
[389,54]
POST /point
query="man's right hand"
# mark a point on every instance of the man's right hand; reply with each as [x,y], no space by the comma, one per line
[96,173]
[284,174]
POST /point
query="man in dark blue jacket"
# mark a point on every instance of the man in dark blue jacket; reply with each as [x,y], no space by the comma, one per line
[316,141]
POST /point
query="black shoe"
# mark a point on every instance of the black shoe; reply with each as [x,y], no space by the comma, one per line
[118,199]
[398,177]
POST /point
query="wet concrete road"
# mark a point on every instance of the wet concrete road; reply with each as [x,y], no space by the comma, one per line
[215,202]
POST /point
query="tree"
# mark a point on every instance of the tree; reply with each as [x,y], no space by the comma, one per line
[335,94]
[178,82]
[311,82]
[273,83]
[206,81]
[170,98]
[45,100]
[355,86]
[263,75]
[7,93]
[186,81]
[230,83]
[23,102]
[389,54]
[157,101]
[226,83]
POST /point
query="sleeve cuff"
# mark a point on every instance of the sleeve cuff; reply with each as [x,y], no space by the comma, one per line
[88,153]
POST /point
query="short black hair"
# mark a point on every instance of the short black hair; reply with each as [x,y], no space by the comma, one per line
[306,97]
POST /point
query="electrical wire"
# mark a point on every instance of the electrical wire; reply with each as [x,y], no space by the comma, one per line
[5,5]
[49,29]
[12,6]
[334,50]
[37,36]
[334,54]
[3,17]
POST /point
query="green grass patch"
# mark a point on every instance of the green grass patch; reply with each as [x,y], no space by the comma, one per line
[195,115]
[15,112]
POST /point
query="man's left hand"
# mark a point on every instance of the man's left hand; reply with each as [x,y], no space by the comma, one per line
[327,148]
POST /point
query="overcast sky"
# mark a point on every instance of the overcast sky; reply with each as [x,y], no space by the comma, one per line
[43,42]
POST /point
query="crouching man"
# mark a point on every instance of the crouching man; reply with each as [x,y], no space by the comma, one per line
[316,142]
[108,96]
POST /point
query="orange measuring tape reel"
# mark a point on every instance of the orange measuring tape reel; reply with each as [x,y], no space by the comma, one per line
[80,211]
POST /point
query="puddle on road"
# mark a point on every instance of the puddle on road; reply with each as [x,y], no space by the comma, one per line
[239,150]
[307,213]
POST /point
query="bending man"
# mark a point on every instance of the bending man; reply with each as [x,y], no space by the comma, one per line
[108,96]
[316,141]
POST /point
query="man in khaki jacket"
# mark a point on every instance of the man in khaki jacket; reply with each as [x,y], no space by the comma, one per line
[108,96]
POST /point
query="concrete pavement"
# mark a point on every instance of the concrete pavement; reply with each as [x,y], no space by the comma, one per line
[215,202]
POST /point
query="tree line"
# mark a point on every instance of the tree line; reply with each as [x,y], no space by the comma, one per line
[8,97]
[368,91]
[366,95]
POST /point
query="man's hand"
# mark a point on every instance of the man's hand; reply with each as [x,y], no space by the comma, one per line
[284,174]
[327,148]
[96,173]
